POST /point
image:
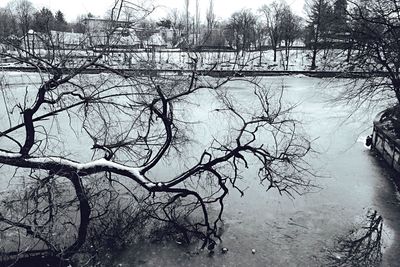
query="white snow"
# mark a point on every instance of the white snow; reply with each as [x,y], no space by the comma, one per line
[9,155]
[99,163]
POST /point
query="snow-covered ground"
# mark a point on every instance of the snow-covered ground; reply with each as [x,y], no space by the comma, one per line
[299,60]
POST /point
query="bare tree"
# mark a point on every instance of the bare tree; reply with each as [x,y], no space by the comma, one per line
[273,14]
[375,49]
[211,21]
[187,14]
[241,27]
[22,10]
[178,24]
[210,16]
[127,125]
[260,36]
[291,31]
[197,24]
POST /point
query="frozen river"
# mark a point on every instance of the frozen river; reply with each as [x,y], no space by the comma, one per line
[299,231]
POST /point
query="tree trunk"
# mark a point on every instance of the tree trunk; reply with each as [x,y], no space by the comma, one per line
[314,56]
[84,209]
[287,51]
[396,88]
[348,55]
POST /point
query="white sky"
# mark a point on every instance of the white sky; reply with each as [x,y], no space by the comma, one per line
[222,8]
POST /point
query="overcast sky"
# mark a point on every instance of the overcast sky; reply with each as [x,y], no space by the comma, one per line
[223,8]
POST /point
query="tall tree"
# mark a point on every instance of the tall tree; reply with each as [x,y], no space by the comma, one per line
[60,22]
[177,19]
[8,23]
[210,16]
[319,19]
[242,27]
[260,36]
[187,20]
[340,9]
[375,32]
[291,30]
[340,15]
[273,14]
[43,21]
[22,10]
[210,20]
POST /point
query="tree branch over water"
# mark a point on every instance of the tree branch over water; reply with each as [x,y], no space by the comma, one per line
[79,145]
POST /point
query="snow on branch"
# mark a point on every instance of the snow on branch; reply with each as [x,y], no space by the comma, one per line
[64,166]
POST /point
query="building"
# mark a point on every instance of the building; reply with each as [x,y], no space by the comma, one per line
[68,40]
[122,35]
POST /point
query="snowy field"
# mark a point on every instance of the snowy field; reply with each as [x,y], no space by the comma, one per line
[299,60]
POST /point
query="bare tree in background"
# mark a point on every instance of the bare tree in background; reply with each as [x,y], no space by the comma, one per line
[23,11]
[375,31]
[197,24]
[187,19]
[210,16]
[274,14]
[177,23]
[241,29]
[260,36]
[291,31]
[78,147]
[211,23]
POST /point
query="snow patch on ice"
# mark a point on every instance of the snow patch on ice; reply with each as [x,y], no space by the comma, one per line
[299,76]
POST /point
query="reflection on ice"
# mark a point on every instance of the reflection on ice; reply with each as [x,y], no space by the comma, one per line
[363,245]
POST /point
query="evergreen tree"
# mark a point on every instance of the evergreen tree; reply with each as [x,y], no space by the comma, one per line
[8,23]
[320,18]
[340,16]
[61,24]
[43,20]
